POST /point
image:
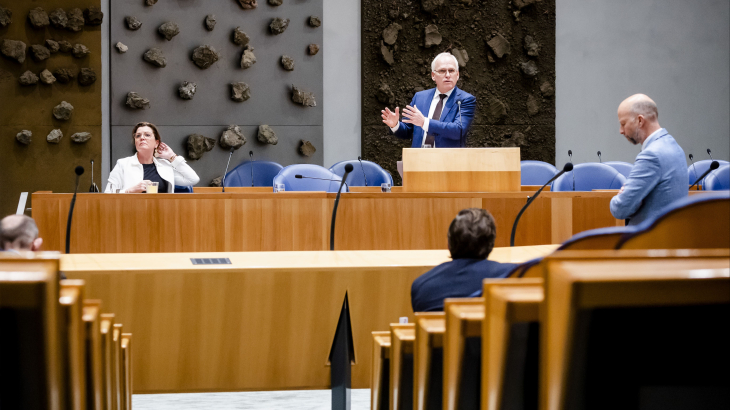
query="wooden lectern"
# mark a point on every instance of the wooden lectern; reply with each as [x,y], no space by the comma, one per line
[461,169]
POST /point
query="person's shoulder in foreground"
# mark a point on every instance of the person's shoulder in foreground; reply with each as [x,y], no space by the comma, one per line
[471,238]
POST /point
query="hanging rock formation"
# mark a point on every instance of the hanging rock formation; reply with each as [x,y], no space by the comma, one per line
[155,57]
[390,33]
[81,137]
[14,49]
[87,76]
[302,97]
[64,75]
[232,138]
[239,37]
[307,148]
[288,63]
[205,56]
[75,20]
[210,22]
[267,135]
[248,58]
[58,18]
[28,78]
[121,48]
[187,90]
[47,77]
[169,30]
[63,111]
[6,16]
[38,18]
[248,4]
[80,51]
[433,37]
[199,145]
[133,23]
[23,137]
[278,25]
[136,101]
[240,92]
[93,17]
[313,49]
[39,52]
[54,137]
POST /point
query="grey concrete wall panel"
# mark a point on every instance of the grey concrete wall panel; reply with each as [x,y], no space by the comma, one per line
[676,51]
[213,163]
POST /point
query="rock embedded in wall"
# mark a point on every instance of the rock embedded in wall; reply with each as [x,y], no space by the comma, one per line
[54,137]
[387,54]
[75,20]
[529,68]
[64,46]
[133,22]
[13,49]
[517,139]
[240,92]
[499,45]
[39,52]
[199,145]
[64,75]
[248,58]
[121,48]
[461,56]
[533,105]
[313,49]
[217,181]
[278,25]
[52,46]
[210,22]
[81,137]
[6,16]
[390,33]
[87,76]
[93,16]
[248,4]
[267,136]
[432,36]
[547,89]
[302,97]
[307,148]
[168,30]
[288,63]
[187,90]
[47,77]
[136,101]
[80,51]
[38,18]
[531,47]
[205,56]
[239,37]
[385,95]
[150,2]
[23,137]
[63,111]
[431,5]
[232,138]
[275,3]
[155,57]
[58,18]
[315,21]
[28,78]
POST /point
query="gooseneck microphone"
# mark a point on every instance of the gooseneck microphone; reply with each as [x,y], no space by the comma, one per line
[599,157]
[299,176]
[223,183]
[348,169]
[713,166]
[710,154]
[79,171]
[566,168]
[250,155]
[363,170]
[93,187]
[570,155]
[691,158]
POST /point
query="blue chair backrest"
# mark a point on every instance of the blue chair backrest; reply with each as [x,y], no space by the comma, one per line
[263,173]
[718,180]
[183,189]
[287,177]
[589,176]
[536,172]
[598,239]
[699,168]
[375,174]
[623,167]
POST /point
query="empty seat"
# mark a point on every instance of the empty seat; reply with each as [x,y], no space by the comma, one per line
[595,239]
[365,173]
[697,221]
[315,178]
[718,180]
[536,172]
[623,167]
[263,173]
[589,176]
[695,170]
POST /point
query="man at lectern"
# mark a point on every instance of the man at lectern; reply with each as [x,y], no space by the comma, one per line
[449,110]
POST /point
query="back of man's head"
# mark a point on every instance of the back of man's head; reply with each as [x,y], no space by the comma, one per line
[19,232]
[471,234]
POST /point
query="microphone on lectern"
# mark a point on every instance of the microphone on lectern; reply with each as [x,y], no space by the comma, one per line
[713,166]
[79,171]
[363,170]
[250,155]
[348,169]
[566,168]
[599,157]
[224,174]
[570,155]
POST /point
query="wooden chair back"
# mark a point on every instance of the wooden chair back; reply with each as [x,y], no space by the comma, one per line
[127,371]
[94,357]
[461,353]
[107,359]
[379,382]
[73,343]
[428,360]
[402,336]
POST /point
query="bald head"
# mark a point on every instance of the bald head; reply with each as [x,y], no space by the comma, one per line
[19,232]
[639,118]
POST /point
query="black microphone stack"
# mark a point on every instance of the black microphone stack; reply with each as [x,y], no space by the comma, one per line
[348,169]
[250,155]
[223,182]
[79,171]
[363,170]
[566,168]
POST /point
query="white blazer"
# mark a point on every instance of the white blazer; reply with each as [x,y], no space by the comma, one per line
[129,172]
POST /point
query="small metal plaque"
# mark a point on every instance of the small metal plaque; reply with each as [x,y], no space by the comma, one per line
[210,261]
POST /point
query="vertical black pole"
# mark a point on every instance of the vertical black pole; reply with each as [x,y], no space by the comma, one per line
[340,362]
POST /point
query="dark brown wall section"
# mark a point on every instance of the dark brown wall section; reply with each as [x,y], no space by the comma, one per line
[528,117]
[40,165]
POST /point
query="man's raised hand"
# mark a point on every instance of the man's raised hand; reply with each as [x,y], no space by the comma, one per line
[413,116]
[390,118]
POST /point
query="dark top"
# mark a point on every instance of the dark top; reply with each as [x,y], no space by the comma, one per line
[150,174]
[456,279]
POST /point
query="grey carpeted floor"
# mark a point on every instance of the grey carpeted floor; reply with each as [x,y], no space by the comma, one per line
[295,399]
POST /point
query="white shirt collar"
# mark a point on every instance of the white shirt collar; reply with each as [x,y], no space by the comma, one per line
[448,93]
[652,135]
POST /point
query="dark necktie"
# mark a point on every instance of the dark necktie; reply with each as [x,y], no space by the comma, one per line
[430,138]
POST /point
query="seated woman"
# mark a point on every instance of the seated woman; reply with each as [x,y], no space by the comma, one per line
[135,173]
[471,239]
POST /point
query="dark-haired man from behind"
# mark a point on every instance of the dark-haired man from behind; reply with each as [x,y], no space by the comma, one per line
[19,233]
[471,240]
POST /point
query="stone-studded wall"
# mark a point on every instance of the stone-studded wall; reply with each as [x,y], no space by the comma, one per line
[507,60]
[212,107]
[41,165]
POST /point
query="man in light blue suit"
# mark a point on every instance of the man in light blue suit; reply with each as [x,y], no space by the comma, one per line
[659,175]
[449,111]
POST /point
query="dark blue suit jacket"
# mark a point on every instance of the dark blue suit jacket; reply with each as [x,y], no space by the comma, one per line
[456,279]
[450,131]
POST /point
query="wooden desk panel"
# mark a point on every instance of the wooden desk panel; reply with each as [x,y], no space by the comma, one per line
[264,322]
[293,221]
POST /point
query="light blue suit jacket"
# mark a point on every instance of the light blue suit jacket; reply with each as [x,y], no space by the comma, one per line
[450,131]
[658,178]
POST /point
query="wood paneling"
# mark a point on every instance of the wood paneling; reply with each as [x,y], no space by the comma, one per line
[264,322]
[288,221]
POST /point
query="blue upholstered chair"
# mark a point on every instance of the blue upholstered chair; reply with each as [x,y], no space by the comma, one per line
[536,172]
[183,189]
[375,174]
[718,180]
[263,173]
[699,221]
[623,167]
[699,168]
[328,181]
[598,239]
[589,176]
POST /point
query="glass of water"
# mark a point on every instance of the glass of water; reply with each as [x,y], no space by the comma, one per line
[152,187]
[279,187]
[427,146]
[385,187]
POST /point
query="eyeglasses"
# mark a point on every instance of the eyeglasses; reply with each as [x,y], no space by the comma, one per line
[443,71]
[147,136]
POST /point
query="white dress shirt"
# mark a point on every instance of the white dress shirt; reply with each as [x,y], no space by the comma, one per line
[431,110]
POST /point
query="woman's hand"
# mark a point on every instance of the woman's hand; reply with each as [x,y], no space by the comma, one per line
[164,151]
[141,187]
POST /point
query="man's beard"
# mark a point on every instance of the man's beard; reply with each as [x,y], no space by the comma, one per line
[634,137]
